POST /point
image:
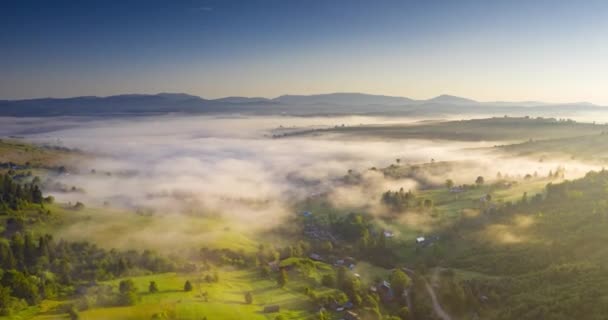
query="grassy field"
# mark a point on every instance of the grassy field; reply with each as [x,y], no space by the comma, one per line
[590,147]
[225,298]
[172,232]
[20,152]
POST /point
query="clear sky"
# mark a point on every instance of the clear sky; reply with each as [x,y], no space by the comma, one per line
[487,49]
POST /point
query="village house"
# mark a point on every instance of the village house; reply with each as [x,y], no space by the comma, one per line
[385,291]
[273,265]
[347,262]
[426,241]
[315,257]
[456,189]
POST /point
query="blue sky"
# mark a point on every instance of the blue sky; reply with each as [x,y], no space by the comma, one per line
[487,50]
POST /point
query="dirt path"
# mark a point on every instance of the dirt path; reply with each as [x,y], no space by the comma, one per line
[436,305]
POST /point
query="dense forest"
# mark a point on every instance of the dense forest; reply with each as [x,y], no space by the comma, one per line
[555,268]
[36,268]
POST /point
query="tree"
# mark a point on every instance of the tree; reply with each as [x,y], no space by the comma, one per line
[351,286]
[7,260]
[341,276]
[36,195]
[127,293]
[22,287]
[327,246]
[128,299]
[187,286]
[282,278]
[370,302]
[404,313]
[428,203]
[153,288]
[265,271]
[126,286]
[399,281]
[328,280]
[5,301]
[479,181]
[449,183]
[324,315]
[73,313]
[371,314]
[248,298]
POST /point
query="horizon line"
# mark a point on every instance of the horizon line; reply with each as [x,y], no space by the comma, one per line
[301,95]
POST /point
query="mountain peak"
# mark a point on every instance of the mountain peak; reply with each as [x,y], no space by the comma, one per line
[343,98]
[446,98]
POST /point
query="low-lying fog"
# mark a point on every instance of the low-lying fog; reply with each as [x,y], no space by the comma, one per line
[233,166]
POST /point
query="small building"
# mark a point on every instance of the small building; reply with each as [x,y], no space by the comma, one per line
[388,234]
[334,304]
[274,265]
[385,291]
[456,189]
[272,309]
[315,257]
[420,240]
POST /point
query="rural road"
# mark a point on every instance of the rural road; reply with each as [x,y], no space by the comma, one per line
[436,306]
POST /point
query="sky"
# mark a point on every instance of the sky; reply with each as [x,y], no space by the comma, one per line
[511,50]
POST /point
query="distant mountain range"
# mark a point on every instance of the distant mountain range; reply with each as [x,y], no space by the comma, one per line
[319,104]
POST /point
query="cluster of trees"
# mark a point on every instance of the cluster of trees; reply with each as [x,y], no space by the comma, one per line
[559,275]
[354,234]
[225,257]
[15,196]
[368,303]
[400,200]
[32,269]
[35,268]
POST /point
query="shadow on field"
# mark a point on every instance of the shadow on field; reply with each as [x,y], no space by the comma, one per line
[266,289]
[231,302]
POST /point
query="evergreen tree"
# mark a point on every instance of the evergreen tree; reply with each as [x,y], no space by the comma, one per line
[153,288]
[282,278]
[248,298]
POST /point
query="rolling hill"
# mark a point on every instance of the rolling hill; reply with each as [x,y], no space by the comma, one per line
[298,105]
